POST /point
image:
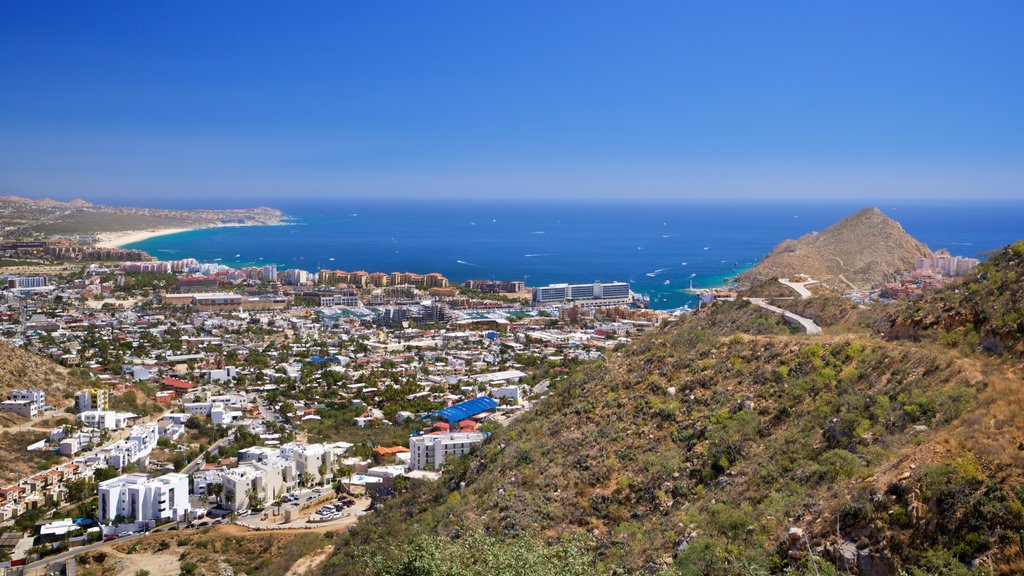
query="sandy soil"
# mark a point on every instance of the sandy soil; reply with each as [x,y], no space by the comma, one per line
[156,564]
[307,564]
[118,239]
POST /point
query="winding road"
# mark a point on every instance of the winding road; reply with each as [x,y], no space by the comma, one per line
[809,326]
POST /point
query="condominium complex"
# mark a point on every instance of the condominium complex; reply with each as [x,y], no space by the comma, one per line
[139,498]
[431,451]
[363,279]
[496,286]
[588,295]
[946,263]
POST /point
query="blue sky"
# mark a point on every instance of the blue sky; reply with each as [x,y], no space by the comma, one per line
[146,101]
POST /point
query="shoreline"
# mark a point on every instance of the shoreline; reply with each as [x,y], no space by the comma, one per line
[125,237]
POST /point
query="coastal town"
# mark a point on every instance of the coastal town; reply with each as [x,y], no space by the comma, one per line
[273,399]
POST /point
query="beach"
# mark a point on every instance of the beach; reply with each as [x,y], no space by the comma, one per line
[118,239]
[125,237]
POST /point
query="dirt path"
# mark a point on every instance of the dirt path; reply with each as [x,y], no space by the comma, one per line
[307,564]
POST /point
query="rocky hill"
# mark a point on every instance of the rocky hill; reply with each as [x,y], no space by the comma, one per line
[862,250]
[725,444]
[23,369]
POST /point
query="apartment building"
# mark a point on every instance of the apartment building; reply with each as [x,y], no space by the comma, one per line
[139,498]
[431,451]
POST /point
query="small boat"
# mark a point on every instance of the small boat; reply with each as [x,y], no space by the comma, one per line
[666,282]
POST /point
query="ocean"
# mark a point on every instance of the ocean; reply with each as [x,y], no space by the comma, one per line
[659,247]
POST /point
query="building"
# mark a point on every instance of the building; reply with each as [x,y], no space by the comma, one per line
[268,273]
[297,277]
[586,295]
[93,399]
[431,451]
[105,419]
[139,498]
[947,264]
[496,286]
[22,408]
[25,402]
[19,282]
[135,448]
[190,284]
[340,300]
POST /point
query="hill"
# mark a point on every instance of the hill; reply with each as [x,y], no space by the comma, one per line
[724,444]
[862,250]
[22,369]
[985,312]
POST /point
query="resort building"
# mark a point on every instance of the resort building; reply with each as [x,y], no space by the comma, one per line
[586,295]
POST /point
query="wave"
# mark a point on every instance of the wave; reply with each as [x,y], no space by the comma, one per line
[536,255]
[667,235]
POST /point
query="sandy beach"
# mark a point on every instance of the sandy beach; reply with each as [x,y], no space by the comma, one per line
[118,239]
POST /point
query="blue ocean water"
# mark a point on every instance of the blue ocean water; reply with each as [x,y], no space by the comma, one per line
[659,247]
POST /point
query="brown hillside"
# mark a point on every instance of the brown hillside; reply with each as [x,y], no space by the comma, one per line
[863,250]
[23,369]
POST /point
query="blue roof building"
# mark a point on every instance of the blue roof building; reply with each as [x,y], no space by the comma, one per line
[462,410]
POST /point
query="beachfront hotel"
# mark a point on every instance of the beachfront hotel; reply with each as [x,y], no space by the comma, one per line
[587,295]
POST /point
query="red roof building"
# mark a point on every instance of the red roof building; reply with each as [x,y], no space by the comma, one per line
[177,385]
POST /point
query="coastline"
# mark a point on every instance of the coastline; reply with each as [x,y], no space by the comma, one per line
[123,238]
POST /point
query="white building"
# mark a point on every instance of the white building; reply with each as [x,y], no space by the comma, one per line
[431,451]
[105,419]
[223,374]
[588,295]
[135,448]
[35,397]
[947,264]
[22,408]
[340,300]
[26,282]
[139,498]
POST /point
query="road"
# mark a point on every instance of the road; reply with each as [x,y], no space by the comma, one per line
[69,554]
[800,287]
[809,326]
[198,462]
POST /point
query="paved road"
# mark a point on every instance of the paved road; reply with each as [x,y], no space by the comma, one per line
[809,326]
[198,462]
[800,287]
[74,552]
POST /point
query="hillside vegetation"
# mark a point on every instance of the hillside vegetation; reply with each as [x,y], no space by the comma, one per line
[984,312]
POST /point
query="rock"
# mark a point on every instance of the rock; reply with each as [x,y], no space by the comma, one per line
[795,535]
[919,429]
[671,390]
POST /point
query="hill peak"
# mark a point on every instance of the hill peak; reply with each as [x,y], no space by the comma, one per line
[863,250]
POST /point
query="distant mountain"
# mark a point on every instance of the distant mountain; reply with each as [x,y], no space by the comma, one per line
[863,250]
[77,202]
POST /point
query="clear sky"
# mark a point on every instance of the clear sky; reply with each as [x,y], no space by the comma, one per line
[478,98]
